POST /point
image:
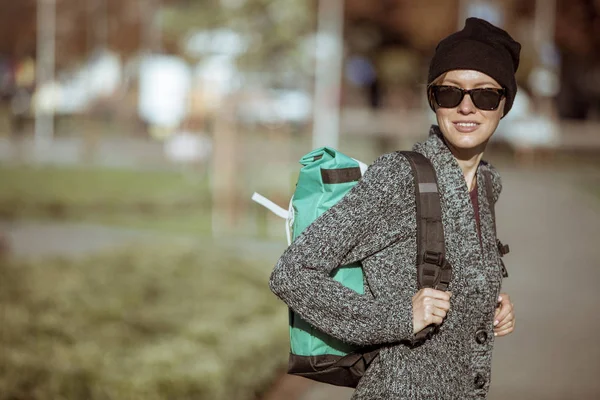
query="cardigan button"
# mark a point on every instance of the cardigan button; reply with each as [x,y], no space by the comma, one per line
[481,336]
[480,381]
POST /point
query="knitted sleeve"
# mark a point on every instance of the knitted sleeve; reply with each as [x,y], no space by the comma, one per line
[301,277]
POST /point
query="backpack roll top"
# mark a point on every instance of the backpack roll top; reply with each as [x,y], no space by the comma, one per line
[326,176]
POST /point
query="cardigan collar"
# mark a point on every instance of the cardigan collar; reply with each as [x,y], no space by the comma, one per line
[436,150]
[435,146]
[457,210]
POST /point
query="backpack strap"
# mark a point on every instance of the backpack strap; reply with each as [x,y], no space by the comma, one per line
[433,270]
[503,249]
[489,193]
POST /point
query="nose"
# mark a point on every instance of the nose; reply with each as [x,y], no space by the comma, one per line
[466,106]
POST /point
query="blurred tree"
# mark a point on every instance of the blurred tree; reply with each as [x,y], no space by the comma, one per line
[17,27]
[82,26]
[276,34]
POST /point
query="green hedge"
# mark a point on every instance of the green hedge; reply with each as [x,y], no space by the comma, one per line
[148,323]
[168,201]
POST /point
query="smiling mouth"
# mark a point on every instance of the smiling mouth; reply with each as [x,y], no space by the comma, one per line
[466,127]
[466,124]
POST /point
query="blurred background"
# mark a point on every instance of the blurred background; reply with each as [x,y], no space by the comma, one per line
[133,134]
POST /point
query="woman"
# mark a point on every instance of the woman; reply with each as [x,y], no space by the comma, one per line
[471,86]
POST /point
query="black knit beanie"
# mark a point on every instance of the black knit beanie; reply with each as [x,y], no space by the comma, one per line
[482,47]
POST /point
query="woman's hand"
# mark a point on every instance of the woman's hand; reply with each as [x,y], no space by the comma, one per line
[430,306]
[504,319]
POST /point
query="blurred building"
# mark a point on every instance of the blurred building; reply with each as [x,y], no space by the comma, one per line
[397,37]
[262,52]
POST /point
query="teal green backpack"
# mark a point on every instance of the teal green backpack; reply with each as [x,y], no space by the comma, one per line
[326,176]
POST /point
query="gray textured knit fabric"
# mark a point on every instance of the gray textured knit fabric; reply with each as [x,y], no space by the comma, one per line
[379,213]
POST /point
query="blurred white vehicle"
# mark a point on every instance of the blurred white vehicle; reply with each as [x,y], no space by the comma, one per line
[188,147]
[523,129]
[165,83]
[76,90]
[276,106]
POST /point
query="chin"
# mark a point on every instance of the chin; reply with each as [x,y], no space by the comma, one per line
[465,141]
[468,142]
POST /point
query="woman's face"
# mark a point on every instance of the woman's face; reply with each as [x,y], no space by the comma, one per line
[465,126]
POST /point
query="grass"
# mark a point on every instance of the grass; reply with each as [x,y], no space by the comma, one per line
[143,323]
[87,186]
[160,200]
[167,201]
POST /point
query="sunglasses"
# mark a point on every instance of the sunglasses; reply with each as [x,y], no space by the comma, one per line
[487,99]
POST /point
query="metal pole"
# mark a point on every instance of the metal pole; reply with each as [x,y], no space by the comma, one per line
[151,30]
[462,13]
[97,14]
[46,40]
[102,25]
[544,22]
[328,74]
[544,29]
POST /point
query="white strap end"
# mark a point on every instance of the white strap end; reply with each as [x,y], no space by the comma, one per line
[274,208]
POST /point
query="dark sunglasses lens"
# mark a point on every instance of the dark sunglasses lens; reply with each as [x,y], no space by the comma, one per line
[447,96]
[486,99]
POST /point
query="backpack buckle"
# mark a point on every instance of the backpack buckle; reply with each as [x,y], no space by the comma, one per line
[428,275]
[504,270]
[435,272]
[433,257]
[502,248]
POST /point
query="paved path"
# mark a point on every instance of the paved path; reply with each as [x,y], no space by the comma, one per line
[554,269]
[124,152]
[41,239]
[29,239]
[554,266]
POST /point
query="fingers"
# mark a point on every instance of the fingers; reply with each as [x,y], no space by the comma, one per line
[436,303]
[503,312]
[433,310]
[430,306]
[509,328]
[504,320]
[504,309]
[433,293]
[433,315]
[503,323]
[439,312]
[433,302]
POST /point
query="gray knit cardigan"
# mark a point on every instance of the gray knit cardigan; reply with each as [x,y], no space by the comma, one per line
[376,224]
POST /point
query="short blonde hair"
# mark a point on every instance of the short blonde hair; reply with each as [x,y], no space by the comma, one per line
[439,79]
